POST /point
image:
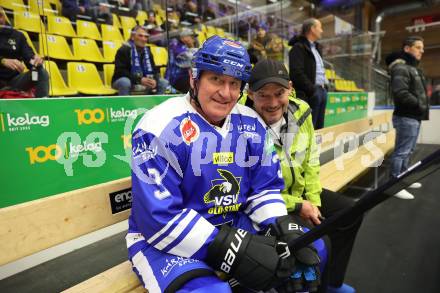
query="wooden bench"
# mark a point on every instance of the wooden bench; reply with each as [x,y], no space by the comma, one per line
[46,222]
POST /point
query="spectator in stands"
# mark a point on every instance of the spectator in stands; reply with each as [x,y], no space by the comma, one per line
[209,13]
[411,104]
[307,69]
[275,48]
[151,24]
[134,67]
[100,9]
[258,44]
[188,12]
[291,128]
[173,21]
[71,8]
[181,52]
[14,51]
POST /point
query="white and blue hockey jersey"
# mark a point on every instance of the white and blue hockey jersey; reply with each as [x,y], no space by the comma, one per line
[189,176]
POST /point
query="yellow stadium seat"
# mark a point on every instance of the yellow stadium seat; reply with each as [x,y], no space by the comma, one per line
[116,21]
[328,74]
[338,85]
[28,21]
[55,47]
[127,33]
[87,29]
[85,78]
[211,30]
[159,20]
[110,33]
[16,5]
[85,49]
[109,69]
[26,35]
[57,86]
[221,32]
[141,17]
[201,38]
[41,7]
[59,25]
[209,34]
[110,48]
[57,4]
[160,56]
[127,22]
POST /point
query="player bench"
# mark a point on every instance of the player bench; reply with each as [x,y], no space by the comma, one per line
[46,222]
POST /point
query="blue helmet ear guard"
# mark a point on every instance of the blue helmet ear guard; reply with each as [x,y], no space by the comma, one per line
[223,56]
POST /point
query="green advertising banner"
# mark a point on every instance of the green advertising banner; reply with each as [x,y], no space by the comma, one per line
[346,106]
[50,146]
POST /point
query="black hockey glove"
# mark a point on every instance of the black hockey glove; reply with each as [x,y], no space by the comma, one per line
[306,260]
[253,260]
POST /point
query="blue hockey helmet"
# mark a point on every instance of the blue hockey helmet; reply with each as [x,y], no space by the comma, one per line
[222,56]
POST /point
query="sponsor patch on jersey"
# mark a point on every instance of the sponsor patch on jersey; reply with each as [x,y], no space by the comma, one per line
[223,158]
[232,44]
[190,131]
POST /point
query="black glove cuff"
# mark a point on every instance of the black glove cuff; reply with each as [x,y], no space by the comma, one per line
[223,252]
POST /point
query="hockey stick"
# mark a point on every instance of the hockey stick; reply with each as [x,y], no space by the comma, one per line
[416,172]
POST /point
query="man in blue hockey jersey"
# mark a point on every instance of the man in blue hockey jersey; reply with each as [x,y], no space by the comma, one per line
[205,181]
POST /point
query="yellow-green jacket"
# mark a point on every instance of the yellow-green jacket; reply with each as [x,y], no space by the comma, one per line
[299,156]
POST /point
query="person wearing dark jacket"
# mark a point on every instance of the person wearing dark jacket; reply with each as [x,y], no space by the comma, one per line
[411,104]
[14,51]
[134,67]
[306,69]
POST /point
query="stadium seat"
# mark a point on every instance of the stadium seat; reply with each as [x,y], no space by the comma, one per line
[41,7]
[126,33]
[26,35]
[141,17]
[110,33]
[28,21]
[203,28]
[221,32]
[85,78]
[87,29]
[211,30]
[87,50]
[127,22]
[59,25]
[160,55]
[110,48]
[57,86]
[116,21]
[201,37]
[55,47]
[16,5]
[109,69]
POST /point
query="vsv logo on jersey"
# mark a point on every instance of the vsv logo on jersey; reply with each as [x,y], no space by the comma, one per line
[223,193]
[190,131]
[89,116]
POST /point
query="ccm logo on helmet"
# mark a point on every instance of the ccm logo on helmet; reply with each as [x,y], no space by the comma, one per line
[234,63]
[230,255]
